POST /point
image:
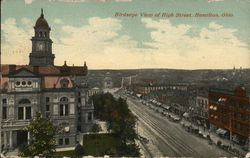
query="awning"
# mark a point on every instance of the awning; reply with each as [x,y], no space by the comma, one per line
[167,107]
[221,131]
[222,99]
[138,95]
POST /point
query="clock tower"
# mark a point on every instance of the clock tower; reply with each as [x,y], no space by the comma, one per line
[41,44]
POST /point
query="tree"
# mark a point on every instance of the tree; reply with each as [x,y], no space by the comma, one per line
[120,121]
[96,128]
[42,141]
[79,151]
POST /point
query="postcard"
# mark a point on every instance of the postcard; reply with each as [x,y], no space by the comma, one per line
[125,78]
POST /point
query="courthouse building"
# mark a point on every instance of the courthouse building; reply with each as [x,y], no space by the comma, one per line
[58,92]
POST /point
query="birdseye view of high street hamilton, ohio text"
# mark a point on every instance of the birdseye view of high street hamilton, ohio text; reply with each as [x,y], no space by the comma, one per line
[125,78]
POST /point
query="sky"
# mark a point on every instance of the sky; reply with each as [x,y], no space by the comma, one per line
[91,31]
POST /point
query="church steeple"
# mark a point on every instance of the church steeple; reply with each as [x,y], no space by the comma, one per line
[41,43]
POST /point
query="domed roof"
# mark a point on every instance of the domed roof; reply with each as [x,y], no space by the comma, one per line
[41,22]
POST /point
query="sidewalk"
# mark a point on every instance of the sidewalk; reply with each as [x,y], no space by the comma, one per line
[215,138]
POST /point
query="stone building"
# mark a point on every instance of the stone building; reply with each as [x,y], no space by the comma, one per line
[201,108]
[58,92]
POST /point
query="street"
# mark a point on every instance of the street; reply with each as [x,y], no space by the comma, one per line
[166,138]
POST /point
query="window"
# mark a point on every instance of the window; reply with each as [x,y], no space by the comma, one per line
[47,108]
[4,101]
[66,141]
[4,112]
[28,112]
[40,34]
[64,83]
[24,113]
[24,101]
[47,99]
[64,99]
[29,83]
[47,114]
[89,116]
[64,107]
[20,113]
[18,83]
[232,102]
[61,109]
[79,128]
[23,83]
[79,100]
[45,34]
[60,141]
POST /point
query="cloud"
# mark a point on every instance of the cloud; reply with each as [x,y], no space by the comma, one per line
[90,40]
[215,47]
[93,0]
[28,1]
[58,21]
[123,0]
[103,44]
[213,25]
[16,41]
[209,1]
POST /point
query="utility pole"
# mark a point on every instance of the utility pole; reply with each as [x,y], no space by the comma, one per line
[137,126]
[122,83]
[230,127]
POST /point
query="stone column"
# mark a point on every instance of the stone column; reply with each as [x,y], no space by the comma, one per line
[5,139]
[28,137]
[10,139]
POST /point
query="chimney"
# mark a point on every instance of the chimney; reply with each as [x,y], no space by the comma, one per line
[12,68]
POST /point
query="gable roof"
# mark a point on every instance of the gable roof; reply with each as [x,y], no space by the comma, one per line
[22,72]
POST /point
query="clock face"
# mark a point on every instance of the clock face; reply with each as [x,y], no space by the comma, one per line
[40,46]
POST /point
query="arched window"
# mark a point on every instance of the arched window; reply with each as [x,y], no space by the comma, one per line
[40,34]
[64,99]
[45,34]
[24,101]
[64,106]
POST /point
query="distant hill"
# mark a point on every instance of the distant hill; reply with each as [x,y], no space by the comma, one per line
[230,76]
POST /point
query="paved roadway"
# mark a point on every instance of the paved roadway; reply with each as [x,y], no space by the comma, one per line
[167,138]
